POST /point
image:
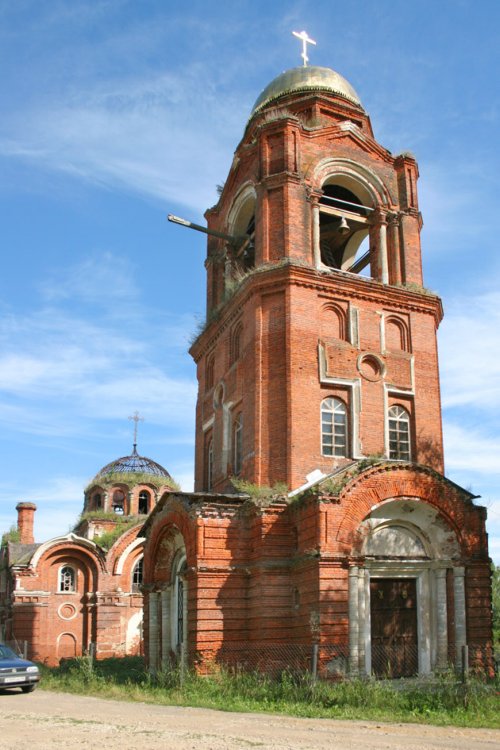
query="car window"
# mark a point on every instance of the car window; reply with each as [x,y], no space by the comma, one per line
[7,653]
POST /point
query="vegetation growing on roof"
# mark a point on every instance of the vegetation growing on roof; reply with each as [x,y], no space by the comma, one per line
[412,286]
[12,535]
[335,484]
[108,538]
[105,515]
[132,477]
[256,491]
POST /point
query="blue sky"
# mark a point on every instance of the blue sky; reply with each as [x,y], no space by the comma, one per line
[115,113]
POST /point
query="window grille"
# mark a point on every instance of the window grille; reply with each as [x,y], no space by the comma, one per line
[67,579]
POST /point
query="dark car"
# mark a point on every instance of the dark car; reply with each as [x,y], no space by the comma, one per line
[17,672]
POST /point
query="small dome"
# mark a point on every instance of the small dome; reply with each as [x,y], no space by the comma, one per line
[305,78]
[133,464]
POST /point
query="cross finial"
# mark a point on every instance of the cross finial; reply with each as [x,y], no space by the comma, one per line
[136,419]
[304,36]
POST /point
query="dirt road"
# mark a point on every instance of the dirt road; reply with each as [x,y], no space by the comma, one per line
[46,720]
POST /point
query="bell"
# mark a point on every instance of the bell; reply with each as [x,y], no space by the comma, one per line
[344,227]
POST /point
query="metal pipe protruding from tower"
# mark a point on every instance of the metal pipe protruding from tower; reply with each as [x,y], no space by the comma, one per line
[236,241]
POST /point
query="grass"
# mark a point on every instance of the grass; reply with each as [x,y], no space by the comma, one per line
[259,491]
[133,477]
[441,702]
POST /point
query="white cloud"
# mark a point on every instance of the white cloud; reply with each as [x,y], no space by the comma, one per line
[60,371]
[97,279]
[468,348]
[143,135]
[58,504]
[471,451]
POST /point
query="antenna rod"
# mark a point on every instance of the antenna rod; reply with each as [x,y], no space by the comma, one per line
[191,225]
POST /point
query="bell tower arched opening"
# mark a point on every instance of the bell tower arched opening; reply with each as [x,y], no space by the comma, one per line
[242,226]
[344,223]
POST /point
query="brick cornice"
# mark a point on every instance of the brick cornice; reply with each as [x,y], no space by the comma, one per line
[270,277]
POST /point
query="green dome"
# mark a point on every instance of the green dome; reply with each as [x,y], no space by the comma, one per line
[306,78]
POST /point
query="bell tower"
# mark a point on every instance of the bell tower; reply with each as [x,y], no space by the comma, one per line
[320,340]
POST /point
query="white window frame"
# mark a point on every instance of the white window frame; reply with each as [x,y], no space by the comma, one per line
[399,418]
[135,585]
[61,585]
[333,406]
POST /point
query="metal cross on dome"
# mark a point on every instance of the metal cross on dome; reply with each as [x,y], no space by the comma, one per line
[304,36]
[136,419]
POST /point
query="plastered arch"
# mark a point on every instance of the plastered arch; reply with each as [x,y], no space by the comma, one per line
[242,209]
[172,519]
[358,178]
[420,519]
[122,558]
[390,482]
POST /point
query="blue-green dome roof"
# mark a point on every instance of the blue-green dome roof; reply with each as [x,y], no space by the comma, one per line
[133,464]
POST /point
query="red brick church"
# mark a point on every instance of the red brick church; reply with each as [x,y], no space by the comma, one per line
[81,593]
[320,513]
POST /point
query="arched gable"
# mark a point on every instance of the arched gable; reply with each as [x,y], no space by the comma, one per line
[172,518]
[70,544]
[74,553]
[119,550]
[390,482]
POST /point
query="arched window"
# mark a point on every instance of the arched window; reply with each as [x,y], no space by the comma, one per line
[209,463]
[235,343]
[179,608]
[399,433]
[97,501]
[333,322]
[144,498]
[237,444]
[67,579]
[209,372]
[137,575]
[333,427]
[119,502]
[396,335]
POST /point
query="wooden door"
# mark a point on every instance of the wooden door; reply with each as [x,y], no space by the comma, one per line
[393,608]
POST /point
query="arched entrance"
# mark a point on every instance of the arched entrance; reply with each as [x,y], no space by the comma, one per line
[167,603]
[399,592]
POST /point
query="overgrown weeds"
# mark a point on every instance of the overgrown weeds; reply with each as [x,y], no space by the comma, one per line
[12,535]
[440,701]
